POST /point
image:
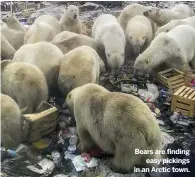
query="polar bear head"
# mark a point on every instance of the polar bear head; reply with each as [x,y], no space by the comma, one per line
[162,48]
[152,12]
[72,12]
[9,19]
[137,42]
[71,98]
[114,51]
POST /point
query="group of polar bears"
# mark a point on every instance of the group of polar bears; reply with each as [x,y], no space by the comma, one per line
[54,58]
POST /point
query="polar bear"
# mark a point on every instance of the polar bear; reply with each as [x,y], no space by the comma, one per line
[110,40]
[175,48]
[138,34]
[25,83]
[13,22]
[173,23]
[14,37]
[118,123]
[44,55]
[63,35]
[70,20]
[67,41]
[131,11]
[7,50]
[10,122]
[51,21]
[39,32]
[80,66]
[164,16]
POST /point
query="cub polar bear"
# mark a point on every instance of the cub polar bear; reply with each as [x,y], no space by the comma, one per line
[118,123]
[67,41]
[173,23]
[7,50]
[138,34]
[46,57]
[70,20]
[80,66]
[13,22]
[10,122]
[25,83]
[164,16]
[175,48]
[110,40]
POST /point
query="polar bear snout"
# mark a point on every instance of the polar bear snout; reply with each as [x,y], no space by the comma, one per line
[146,13]
[4,19]
[75,16]
[137,49]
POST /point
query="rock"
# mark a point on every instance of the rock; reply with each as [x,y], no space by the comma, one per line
[89,6]
[27,12]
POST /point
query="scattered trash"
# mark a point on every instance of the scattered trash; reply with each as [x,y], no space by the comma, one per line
[47,167]
[166,139]
[81,165]
[128,88]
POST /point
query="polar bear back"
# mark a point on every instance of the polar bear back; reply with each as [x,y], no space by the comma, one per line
[44,55]
[7,50]
[107,25]
[185,37]
[39,32]
[25,83]
[52,21]
[102,20]
[183,10]
[173,23]
[63,35]
[10,122]
[129,12]
[78,67]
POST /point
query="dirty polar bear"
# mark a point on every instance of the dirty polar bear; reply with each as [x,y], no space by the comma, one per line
[44,55]
[118,123]
[173,23]
[175,48]
[164,16]
[80,66]
[10,122]
[44,28]
[138,34]
[67,41]
[70,20]
[7,50]
[25,83]
[110,40]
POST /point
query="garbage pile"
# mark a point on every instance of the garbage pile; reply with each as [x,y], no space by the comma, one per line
[57,155]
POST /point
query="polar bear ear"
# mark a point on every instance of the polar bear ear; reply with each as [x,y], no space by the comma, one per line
[157,11]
